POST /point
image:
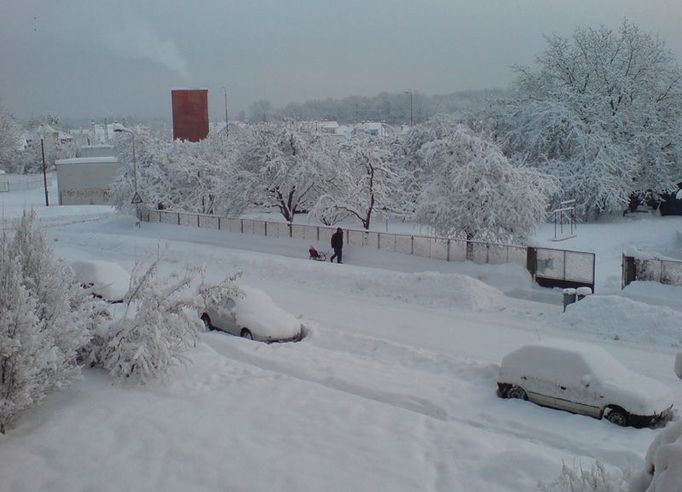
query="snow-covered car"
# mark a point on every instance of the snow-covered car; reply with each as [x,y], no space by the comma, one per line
[255,316]
[583,379]
[104,279]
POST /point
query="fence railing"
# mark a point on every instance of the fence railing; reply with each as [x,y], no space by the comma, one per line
[651,269]
[550,267]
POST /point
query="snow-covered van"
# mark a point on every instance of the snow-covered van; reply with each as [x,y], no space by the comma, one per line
[584,379]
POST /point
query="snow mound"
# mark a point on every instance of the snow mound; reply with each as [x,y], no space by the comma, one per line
[426,288]
[663,463]
[620,318]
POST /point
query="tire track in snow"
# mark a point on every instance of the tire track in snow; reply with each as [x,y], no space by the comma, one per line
[487,422]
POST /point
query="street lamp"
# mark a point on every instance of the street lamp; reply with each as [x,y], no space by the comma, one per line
[411,120]
[136,197]
[227,128]
[120,129]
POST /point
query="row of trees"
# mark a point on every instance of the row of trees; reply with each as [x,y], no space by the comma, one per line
[597,119]
[439,173]
[401,108]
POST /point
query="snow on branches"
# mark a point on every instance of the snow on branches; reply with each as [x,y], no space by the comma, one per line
[159,324]
[43,320]
[476,193]
[602,111]
[366,181]
[283,167]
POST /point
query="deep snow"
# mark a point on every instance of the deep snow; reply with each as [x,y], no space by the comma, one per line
[394,388]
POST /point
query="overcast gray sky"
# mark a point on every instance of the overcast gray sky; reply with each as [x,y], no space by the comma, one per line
[95,58]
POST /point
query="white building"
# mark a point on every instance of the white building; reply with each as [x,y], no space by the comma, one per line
[86,180]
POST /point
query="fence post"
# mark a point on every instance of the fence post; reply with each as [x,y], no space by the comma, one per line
[447,253]
[411,245]
[178,218]
[470,251]
[198,223]
[563,275]
[266,229]
[487,253]
[532,260]
[241,226]
[318,233]
[378,240]
[219,222]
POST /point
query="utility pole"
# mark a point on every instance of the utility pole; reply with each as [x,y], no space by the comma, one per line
[42,151]
[227,126]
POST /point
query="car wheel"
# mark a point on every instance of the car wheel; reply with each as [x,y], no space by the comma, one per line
[246,334]
[617,416]
[207,321]
[517,392]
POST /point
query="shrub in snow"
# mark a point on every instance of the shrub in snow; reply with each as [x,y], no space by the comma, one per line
[43,320]
[477,193]
[210,295]
[577,479]
[663,463]
[158,325]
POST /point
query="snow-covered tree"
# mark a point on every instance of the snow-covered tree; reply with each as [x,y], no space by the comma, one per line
[43,320]
[602,111]
[475,192]
[9,142]
[281,167]
[366,181]
[24,350]
[159,324]
[62,307]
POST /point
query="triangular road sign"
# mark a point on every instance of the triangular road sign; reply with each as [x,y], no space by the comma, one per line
[137,199]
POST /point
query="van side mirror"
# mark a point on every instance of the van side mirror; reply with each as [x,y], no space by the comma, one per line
[586,380]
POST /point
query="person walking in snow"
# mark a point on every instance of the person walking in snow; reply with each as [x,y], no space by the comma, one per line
[337,246]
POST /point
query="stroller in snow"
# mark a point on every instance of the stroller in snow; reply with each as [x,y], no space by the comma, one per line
[316,255]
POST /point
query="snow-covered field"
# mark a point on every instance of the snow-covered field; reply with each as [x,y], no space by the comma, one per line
[394,388]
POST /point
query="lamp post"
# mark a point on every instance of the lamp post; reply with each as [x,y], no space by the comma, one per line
[42,151]
[132,136]
[136,197]
[227,127]
[411,113]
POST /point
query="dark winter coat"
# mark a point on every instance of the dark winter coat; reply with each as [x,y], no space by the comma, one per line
[337,240]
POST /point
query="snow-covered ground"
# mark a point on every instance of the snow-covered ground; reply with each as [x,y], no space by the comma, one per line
[394,388]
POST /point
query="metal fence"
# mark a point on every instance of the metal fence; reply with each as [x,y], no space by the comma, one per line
[651,269]
[550,267]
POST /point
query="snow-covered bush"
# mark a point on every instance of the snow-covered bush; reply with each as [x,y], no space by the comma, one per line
[43,320]
[578,479]
[210,295]
[158,325]
[663,463]
[475,192]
